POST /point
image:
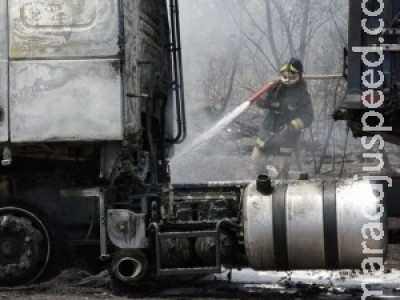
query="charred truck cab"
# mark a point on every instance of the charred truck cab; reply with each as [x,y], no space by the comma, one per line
[87,123]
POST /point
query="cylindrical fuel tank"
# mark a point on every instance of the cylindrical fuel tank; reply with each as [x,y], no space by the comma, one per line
[313,225]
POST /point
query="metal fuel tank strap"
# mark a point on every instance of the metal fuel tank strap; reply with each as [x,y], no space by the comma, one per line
[280,226]
[330,226]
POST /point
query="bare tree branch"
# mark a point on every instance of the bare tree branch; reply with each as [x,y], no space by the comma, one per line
[246,10]
[271,36]
[286,26]
[304,28]
[333,19]
[254,43]
[235,63]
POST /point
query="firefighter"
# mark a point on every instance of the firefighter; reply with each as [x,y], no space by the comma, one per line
[288,111]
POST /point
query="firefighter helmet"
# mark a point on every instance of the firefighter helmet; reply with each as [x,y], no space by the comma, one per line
[291,72]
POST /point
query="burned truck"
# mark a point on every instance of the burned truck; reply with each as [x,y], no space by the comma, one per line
[91,105]
[86,103]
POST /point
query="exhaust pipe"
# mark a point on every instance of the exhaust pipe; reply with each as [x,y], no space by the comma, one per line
[130,266]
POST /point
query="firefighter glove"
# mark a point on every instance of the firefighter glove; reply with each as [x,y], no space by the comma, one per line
[297,124]
[260,143]
[286,129]
[264,146]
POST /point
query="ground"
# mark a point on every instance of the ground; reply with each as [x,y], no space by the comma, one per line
[244,284]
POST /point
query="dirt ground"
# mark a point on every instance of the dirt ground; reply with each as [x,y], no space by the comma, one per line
[244,284]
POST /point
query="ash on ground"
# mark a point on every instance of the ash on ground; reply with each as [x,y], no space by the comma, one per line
[243,284]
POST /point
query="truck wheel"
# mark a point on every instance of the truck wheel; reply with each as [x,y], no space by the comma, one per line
[25,246]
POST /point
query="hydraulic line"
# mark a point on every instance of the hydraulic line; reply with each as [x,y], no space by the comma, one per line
[178,84]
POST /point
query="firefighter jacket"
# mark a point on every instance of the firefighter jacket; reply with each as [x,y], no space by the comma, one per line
[287,106]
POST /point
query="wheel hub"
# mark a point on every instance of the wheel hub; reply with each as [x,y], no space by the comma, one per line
[9,246]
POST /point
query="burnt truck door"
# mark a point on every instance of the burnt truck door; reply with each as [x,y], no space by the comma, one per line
[65,71]
[3,72]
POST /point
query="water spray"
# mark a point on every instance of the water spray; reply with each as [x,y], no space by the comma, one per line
[228,118]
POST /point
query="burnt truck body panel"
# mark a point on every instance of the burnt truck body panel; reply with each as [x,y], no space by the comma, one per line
[65,76]
[59,29]
[49,29]
[57,47]
[65,100]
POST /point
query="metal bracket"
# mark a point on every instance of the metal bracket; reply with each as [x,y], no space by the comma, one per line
[192,234]
[7,156]
[96,192]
